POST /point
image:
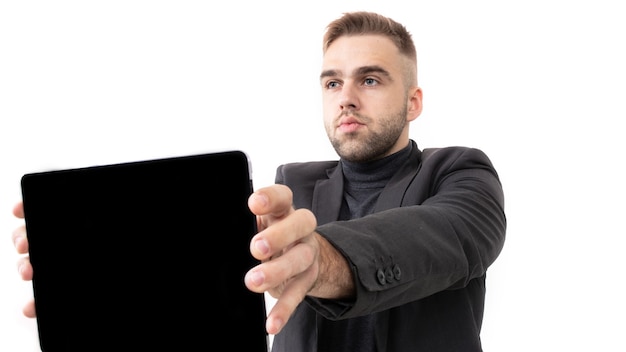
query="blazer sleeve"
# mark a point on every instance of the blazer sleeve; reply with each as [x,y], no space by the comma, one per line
[448,231]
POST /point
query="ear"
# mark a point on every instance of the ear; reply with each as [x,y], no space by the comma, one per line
[414,106]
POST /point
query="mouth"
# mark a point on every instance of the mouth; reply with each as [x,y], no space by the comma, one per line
[349,124]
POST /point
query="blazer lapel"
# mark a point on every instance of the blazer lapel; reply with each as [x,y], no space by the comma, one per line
[328,195]
[393,194]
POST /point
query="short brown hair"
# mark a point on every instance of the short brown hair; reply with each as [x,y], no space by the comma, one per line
[361,23]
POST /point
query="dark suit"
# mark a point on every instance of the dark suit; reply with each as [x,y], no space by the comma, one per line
[419,261]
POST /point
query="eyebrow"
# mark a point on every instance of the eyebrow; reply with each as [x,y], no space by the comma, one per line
[361,71]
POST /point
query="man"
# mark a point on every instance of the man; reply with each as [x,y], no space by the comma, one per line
[387,248]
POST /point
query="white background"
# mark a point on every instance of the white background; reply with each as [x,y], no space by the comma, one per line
[538,85]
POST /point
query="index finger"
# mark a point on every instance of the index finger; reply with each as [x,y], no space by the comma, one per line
[18,210]
[275,200]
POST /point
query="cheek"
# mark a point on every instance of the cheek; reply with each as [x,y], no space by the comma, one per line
[329,111]
[327,101]
[327,122]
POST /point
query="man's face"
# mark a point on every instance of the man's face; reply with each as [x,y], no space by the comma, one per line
[367,106]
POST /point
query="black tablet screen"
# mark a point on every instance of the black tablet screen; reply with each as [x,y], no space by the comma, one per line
[144,256]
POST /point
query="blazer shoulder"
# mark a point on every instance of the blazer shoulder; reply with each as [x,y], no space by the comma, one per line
[303,177]
[300,172]
[455,155]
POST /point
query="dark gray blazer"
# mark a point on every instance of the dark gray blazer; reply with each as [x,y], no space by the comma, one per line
[419,261]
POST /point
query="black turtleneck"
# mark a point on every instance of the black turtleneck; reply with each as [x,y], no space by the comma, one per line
[363,183]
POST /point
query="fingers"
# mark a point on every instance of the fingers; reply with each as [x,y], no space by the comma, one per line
[270,204]
[274,200]
[288,250]
[19,240]
[274,273]
[282,235]
[288,278]
[29,309]
[279,224]
[18,210]
[25,269]
[19,234]
[289,300]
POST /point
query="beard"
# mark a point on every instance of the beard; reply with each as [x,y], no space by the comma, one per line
[371,144]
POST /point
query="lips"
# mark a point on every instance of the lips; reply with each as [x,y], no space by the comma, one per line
[349,124]
[348,120]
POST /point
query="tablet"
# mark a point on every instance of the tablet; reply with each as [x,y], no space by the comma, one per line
[144,256]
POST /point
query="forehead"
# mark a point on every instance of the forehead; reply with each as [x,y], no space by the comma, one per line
[350,52]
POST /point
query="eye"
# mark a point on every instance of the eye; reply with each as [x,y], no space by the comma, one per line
[370,82]
[332,84]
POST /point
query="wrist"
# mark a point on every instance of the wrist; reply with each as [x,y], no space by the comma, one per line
[334,280]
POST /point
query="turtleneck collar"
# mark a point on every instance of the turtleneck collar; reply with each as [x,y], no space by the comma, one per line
[380,170]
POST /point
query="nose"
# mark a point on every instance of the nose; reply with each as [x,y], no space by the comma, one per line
[349,97]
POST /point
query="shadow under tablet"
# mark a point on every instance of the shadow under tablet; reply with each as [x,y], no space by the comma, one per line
[144,256]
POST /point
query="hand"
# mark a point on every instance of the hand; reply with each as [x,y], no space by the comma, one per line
[23,265]
[289,251]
